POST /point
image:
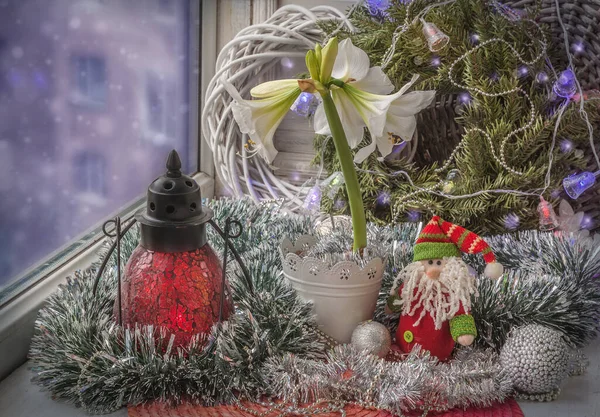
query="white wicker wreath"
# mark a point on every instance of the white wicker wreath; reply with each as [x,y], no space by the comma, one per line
[289,33]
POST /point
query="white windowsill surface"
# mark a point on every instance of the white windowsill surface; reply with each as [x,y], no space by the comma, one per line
[579,398]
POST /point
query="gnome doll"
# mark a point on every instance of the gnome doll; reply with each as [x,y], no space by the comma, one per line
[433,294]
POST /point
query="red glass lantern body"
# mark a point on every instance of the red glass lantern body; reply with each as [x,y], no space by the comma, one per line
[173,279]
[180,291]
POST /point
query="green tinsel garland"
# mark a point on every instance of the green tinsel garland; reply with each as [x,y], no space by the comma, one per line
[492,69]
[80,355]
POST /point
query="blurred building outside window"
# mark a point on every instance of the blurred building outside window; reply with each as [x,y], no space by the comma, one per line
[160,98]
[93,96]
[88,75]
[90,172]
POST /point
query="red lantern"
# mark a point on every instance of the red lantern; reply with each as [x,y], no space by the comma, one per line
[173,278]
[179,291]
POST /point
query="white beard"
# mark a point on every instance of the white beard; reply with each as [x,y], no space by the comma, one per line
[441,297]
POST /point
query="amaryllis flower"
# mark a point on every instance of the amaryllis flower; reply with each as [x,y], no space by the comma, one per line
[362,101]
[261,118]
[353,96]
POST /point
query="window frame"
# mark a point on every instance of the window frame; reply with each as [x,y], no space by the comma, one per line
[18,310]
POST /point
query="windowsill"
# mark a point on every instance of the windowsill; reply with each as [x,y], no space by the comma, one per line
[21,398]
[17,317]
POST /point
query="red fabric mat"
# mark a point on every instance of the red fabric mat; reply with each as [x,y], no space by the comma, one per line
[508,409]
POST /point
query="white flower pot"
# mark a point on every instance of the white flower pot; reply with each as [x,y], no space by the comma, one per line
[343,295]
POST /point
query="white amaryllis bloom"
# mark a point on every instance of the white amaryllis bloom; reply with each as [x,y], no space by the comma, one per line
[363,101]
[260,118]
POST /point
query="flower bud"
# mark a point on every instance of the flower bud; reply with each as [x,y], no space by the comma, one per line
[328,55]
[312,64]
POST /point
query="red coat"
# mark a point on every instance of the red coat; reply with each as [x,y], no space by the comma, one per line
[438,342]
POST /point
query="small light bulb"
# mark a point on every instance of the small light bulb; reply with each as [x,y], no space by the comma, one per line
[305,105]
[377,8]
[414,215]
[566,146]
[522,71]
[312,202]
[511,221]
[541,77]
[287,63]
[578,47]
[587,222]
[576,184]
[548,219]
[464,98]
[383,199]
[339,204]
[566,84]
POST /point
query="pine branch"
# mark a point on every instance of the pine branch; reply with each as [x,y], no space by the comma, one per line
[492,68]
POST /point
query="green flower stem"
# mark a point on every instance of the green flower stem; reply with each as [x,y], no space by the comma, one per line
[357,209]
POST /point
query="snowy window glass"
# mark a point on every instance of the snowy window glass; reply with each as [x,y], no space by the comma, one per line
[88,78]
[166,6]
[93,96]
[160,97]
[89,173]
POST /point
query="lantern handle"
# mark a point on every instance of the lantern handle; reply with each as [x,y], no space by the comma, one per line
[118,234]
[133,221]
[226,237]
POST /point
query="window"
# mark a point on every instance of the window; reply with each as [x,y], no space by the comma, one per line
[166,8]
[90,172]
[160,98]
[88,76]
[74,96]
[3,77]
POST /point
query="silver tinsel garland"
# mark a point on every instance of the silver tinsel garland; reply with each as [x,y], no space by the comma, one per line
[419,381]
[271,346]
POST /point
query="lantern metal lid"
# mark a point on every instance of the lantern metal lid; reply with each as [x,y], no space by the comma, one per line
[174,219]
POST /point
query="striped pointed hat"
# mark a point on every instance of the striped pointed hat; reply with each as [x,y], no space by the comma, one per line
[440,239]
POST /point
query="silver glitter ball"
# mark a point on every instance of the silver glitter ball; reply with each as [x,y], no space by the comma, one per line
[372,337]
[537,357]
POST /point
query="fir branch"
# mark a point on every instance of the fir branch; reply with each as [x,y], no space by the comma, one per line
[492,69]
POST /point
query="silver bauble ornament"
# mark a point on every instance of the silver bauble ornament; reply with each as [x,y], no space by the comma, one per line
[537,357]
[372,337]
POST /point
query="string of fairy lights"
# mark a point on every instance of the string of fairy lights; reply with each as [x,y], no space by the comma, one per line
[566,87]
[502,159]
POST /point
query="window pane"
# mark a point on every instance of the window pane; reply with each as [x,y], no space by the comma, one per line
[93,96]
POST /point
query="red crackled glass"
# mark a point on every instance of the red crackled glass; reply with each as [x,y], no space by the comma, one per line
[180,291]
[173,279]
